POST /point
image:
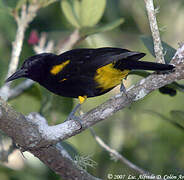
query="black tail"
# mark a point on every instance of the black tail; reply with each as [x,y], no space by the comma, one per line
[142,65]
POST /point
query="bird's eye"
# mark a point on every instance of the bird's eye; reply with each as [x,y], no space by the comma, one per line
[27,64]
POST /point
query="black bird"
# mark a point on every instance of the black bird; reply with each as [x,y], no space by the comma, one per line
[84,73]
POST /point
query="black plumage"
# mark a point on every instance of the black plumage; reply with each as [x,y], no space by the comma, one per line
[84,72]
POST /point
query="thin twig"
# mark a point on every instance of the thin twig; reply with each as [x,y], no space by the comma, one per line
[40,48]
[19,89]
[71,41]
[43,45]
[155,31]
[116,155]
[4,154]
[27,15]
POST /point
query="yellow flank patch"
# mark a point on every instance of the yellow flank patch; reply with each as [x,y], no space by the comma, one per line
[64,79]
[108,77]
[82,99]
[57,68]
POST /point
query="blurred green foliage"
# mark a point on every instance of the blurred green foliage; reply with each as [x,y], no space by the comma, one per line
[83,13]
[167,49]
[147,139]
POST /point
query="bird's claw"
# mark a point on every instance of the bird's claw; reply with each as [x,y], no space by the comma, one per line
[76,119]
[73,117]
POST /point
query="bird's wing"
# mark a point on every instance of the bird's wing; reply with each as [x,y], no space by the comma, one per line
[92,59]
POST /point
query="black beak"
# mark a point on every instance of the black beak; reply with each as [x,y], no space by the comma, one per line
[18,74]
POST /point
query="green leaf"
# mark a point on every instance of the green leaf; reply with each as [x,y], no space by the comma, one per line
[172,88]
[91,12]
[71,9]
[178,86]
[167,49]
[168,90]
[178,117]
[84,13]
[19,4]
[86,31]
[46,3]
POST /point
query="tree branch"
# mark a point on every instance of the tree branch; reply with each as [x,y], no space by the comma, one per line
[58,160]
[43,46]
[116,155]
[27,136]
[155,31]
[40,48]
[19,89]
[27,15]
[70,42]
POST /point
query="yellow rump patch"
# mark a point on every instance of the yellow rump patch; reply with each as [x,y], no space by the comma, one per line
[108,77]
[57,68]
[82,99]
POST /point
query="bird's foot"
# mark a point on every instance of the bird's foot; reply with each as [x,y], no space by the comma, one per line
[73,117]
[122,88]
[76,119]
[123,91]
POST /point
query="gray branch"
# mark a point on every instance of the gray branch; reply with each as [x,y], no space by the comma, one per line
[69,43]
[27,136]
[28,13]
[56,157]
[19,89]
[116,155]
[155,31]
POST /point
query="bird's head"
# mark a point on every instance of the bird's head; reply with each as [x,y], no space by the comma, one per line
[34,67]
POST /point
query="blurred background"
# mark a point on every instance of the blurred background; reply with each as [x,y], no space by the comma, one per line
[143,133]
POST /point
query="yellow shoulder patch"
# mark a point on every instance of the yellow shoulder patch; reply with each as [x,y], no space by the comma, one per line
[82,99]
[57,68]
